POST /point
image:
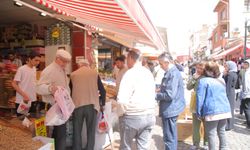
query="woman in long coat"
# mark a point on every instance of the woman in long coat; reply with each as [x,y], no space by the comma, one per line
[230,76]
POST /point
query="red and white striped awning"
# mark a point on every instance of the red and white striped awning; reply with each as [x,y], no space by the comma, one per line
[124,18]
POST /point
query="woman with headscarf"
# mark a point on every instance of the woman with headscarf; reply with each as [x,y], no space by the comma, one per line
[230,76]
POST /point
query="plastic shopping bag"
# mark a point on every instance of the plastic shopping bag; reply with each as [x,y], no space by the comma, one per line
[24,108]
[64,101]
[102,124]
[60,112]
[54,116]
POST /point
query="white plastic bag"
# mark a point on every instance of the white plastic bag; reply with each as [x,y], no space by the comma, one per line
[102,124]
[54,116]
[60,112]
[24,108]
[26,122]
[64,101]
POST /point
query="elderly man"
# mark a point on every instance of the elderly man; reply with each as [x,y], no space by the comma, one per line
[137,98]
[85,86]
[171,100]
[52,76]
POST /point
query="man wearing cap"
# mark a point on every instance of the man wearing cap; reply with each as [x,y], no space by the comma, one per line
[86,89]
[52,76]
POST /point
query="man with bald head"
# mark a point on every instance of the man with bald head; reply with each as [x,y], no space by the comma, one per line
[52,76]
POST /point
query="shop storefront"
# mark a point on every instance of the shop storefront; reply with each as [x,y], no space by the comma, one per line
[97,30]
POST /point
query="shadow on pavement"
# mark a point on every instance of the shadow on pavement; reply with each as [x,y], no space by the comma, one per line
[239,126]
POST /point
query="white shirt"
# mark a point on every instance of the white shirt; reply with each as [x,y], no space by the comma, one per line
[26,78]
[137,91]
[158,74]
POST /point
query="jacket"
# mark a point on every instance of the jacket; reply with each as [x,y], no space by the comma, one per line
[211,97]
[171,95]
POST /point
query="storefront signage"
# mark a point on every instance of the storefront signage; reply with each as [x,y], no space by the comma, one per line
[79,58]
[55,32]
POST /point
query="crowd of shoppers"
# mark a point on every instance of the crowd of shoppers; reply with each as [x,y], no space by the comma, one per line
[212,100]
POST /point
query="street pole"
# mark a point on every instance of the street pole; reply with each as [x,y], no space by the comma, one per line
[245,40]
[246,30]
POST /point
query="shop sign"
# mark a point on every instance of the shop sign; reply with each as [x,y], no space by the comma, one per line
[40,127]
[55,32]
[79,58]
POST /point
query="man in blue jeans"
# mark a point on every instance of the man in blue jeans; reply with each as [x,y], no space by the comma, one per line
[171,100]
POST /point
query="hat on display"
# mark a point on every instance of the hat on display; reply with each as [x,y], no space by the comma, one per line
[64,54]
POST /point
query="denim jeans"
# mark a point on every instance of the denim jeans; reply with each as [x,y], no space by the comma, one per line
[170,133]
[138,128]
[211,128]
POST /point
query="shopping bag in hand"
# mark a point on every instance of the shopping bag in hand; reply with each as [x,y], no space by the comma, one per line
[60,112]
[24,108]
[102,124]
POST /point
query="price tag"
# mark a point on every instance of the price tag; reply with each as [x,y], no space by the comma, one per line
[40,127]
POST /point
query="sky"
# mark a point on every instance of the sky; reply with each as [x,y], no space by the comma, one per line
[180,17]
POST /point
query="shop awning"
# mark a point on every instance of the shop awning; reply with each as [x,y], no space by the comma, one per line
[124,18]
[228,51]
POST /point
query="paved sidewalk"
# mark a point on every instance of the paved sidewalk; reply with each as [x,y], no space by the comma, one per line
[238,139]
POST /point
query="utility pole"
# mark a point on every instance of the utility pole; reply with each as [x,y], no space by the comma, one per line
[245,40]
[246,30]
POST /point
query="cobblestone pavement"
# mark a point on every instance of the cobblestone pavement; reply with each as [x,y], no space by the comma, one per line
[238,139]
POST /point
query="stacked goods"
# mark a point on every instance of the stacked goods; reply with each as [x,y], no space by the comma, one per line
[7,96]
[111,91]
[12,102]
[23,31]
[14,138]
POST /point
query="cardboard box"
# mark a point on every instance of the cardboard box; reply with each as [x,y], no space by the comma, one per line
[49,143]
[186,114]
[184,129]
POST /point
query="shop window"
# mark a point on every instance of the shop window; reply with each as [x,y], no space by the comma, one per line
[105,61]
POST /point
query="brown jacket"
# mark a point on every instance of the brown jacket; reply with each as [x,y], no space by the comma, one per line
[85,87]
